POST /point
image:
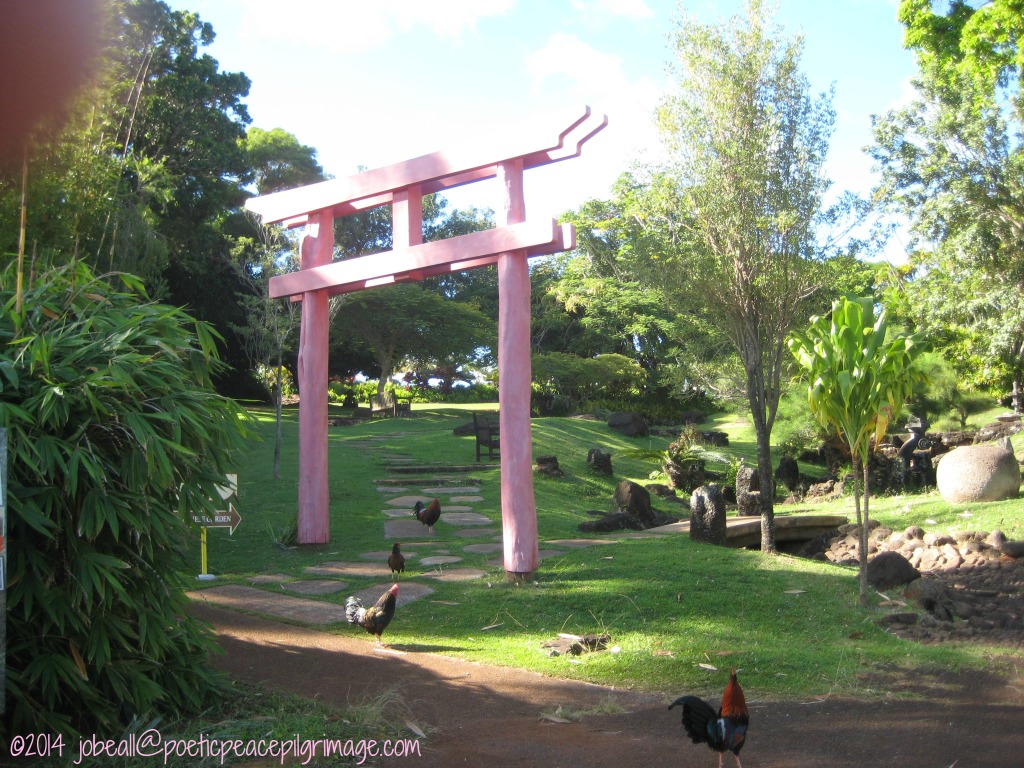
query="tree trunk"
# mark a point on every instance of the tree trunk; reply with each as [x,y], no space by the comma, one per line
[764,472]
[864,533]
[756,398]
[856,484]
[278,394]
[387,366]
[1017,392]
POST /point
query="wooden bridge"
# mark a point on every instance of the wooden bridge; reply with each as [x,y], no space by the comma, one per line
[746,531]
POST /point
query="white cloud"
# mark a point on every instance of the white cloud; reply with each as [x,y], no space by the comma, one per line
[634,9]
[447,18]
[357,27]
[567,55]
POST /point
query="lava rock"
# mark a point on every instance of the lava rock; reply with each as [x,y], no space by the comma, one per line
[890,569]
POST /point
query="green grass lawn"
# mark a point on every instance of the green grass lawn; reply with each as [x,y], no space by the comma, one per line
[670,605]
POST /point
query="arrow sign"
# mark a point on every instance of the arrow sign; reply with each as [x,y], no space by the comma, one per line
[229,519]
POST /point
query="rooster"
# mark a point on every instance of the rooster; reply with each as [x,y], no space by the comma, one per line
[396,560]
[375,619]
[428,515]
[724,731]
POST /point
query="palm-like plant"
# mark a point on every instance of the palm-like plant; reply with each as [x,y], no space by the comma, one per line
[858,379]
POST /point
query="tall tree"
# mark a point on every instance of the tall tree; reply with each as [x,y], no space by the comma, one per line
[859,377]
[981,44]
[953,164]
[747,143]
[408,320]
[149,175]
[279,161]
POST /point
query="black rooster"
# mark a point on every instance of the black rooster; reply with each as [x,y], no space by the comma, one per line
[428,515]
[375,619]
[396,560]
[724,731]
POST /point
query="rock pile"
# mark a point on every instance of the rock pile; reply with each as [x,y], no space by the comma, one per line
[964,587]
[925,551]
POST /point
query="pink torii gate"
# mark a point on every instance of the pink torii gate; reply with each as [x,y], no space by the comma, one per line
[515,239]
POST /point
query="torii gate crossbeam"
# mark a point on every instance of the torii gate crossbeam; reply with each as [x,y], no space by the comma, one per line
[515,239]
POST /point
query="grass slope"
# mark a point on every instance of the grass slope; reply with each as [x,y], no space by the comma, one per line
[792,625]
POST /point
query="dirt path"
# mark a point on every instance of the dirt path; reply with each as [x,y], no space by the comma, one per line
[479,715]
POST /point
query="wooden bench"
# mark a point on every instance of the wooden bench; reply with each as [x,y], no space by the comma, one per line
[383,405]
[487,436]
[403,405]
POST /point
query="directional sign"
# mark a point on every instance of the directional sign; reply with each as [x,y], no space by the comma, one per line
[227,519]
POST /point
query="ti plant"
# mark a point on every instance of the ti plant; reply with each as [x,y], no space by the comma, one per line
[859,375]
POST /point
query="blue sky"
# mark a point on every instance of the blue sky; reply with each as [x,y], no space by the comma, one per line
[372,83]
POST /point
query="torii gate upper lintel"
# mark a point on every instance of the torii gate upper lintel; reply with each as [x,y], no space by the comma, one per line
[555,137]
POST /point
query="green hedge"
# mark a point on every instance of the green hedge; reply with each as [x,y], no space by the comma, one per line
[115,436]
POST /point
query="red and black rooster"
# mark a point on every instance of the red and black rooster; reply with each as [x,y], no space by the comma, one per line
[428,515]
[376,618]
[724,731]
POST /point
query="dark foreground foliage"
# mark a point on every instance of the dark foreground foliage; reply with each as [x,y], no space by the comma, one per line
[116,436]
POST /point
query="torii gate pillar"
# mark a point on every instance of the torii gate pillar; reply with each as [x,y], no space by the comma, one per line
[316,248]
[509,245]
[518,506]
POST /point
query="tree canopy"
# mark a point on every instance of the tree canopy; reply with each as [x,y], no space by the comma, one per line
[953,165]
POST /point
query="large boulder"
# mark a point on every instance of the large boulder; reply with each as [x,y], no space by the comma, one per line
[748,491]
[788,473]
[707,515]
[978,473]
[629,424]
[633,499]
[890,569]
[600,461]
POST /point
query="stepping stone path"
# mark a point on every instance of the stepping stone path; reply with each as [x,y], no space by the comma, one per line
[457,491]
[270,578]
[483,549]
[440,560]
[456,574]
[464,518]
[364,570]
[254,600]
[408,502]
[383,555]
[315,586]
[406,529]
[408,591]
[473,533]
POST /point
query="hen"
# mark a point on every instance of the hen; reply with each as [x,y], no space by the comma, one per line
[724,731]
[428,515]
[396,560]
[376,618]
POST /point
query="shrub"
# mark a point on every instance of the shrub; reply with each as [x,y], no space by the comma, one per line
[116,435]
[564,381]
[796,429]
